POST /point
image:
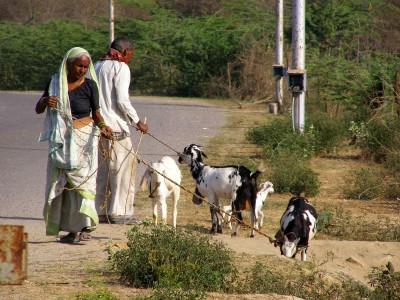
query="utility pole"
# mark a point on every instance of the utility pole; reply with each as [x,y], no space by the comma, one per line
[297,73]
[111,21]
[278,66]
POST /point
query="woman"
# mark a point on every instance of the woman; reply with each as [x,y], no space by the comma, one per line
[72,102]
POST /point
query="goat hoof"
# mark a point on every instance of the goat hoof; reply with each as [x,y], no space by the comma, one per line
[233,234]
[219,229]
[251,235]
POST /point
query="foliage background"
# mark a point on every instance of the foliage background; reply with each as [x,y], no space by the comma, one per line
[225,49]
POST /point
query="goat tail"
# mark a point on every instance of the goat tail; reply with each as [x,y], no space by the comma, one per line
[255,175]
[260,169]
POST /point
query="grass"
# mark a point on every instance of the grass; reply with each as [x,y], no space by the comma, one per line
[230,146]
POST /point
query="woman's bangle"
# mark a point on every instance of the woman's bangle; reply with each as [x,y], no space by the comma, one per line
[101,124]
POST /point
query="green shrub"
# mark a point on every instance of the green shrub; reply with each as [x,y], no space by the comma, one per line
[341,224]
[100,295]
[325,219]
[167,259]
[325,133]
[276,137]
[379,139]
[386,284]
[322,134]
[363,184]
[292,176]
[305,282]
[174,294]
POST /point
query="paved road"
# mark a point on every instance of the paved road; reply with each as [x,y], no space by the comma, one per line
[23,160]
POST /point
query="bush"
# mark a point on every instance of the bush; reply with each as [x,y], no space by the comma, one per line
[305,282]
[165,259]
[342,224]
[291,176]
[101,295]
[386,284]
[325,133]
[363,184]
[379,139]
[277,137]
[322,134]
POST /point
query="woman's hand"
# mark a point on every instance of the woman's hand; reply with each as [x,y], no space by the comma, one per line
[43,102]
[50,101]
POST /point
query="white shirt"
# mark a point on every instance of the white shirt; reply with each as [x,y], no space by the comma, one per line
[114,80]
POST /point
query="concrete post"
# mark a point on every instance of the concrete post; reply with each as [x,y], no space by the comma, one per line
[111,21]
[279,54]
[298,60]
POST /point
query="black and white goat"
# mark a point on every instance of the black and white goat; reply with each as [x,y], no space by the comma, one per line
[298,226]
[264,189]
[160,187]
[235,183]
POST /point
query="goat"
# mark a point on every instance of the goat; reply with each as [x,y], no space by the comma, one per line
[264,189]
[160,187]
[298,225]
[235,183]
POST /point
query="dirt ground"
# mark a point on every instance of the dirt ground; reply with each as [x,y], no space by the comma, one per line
[61,271]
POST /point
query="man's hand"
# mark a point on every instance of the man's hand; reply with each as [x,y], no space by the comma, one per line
[107,132]
[142,126]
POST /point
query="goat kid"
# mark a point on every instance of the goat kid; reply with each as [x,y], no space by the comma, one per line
[298,226]
[235,183]
[160,187]
[264,189]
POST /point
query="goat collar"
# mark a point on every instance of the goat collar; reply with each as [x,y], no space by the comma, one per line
[153,191]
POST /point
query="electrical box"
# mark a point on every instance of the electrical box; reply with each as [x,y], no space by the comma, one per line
[297,80]
[279,71]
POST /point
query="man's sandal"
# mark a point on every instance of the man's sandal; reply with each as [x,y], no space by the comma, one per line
[68,239]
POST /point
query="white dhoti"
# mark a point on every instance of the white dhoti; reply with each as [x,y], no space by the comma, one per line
[116,178]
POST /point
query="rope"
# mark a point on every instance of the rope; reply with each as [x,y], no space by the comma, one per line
[218,210]
[161,142]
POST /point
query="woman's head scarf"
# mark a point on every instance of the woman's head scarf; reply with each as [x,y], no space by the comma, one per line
[61,88]
[58,126]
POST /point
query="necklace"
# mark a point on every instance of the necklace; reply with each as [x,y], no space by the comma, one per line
[72,86]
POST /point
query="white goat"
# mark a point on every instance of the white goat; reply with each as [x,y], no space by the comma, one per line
[264,189]
[160,187]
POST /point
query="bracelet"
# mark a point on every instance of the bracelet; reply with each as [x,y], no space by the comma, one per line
[101,124]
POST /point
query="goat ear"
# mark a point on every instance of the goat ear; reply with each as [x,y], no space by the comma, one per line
[204,155]
[296,241]
[285,239]
[144,183]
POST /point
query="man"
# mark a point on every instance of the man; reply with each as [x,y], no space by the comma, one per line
[116,174]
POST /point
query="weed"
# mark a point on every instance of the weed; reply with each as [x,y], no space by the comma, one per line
[100,295]
[363,184]
[386,283]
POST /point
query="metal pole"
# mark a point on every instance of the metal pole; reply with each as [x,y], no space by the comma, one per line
[279,53]
[111,21]
[298,60]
